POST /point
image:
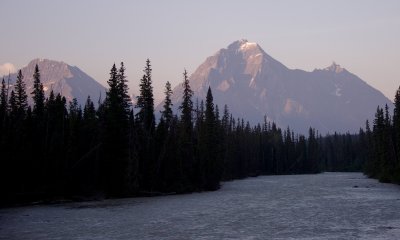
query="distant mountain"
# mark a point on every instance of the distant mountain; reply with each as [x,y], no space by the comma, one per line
[62,78]
[254,85]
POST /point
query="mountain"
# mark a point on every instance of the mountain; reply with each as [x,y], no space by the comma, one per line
[62,78]
[254,85]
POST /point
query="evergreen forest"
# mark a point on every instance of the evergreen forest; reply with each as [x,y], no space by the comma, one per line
[54,149]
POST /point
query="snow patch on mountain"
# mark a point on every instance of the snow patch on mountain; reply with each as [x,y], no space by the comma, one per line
[248,45]
[255,85]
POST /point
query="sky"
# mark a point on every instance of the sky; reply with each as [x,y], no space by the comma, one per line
[362,36]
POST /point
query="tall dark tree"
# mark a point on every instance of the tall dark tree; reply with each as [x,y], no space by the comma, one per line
[187,104]
[212,166]
[145,101]
[39,124]
[225,118]
[3,103]
[12,106]
[167,113]
[37,94]
[89,111]
[396,127]
[21,98]
[115,160]
[123,88]
[184,169]
[145,124]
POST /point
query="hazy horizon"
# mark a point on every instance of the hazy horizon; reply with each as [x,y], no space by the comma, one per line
[361,36]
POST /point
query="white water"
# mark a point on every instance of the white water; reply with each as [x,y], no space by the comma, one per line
[322,206]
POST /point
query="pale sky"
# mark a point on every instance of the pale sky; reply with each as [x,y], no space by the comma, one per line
[362,36]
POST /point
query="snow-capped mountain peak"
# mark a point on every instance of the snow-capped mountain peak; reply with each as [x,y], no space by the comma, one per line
[334,67]
[255,85]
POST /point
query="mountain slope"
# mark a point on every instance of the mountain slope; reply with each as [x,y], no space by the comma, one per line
[62,78]
[254,85]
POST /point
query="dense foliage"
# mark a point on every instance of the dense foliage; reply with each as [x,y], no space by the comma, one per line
[60,150]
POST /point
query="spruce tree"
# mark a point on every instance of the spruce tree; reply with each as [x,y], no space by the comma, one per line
[115,159]
[112,95]
[167,114]
[145,101]
[123,89]
[146,129]
[185,158]
[396,127]
[37,94]
[3,103]
[187,104]
[225,121]
[89,111]
[39,126]
[12,106]
[21,99]
[212,166]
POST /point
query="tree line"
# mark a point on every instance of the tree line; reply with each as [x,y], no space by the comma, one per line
[54,149]
[383,144]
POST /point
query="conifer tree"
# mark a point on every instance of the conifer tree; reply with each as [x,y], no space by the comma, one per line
[146,129]
[123,89]
[225,118]
[3,103]
[185,156]
[145,101]
[37,94]
[212,165]
[187,103]
[21,99]
[89,111]
[12,105]
[115,160]
[396,126]
[167,114]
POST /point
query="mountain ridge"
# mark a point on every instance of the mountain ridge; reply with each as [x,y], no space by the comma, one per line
[253,85]
[69,81]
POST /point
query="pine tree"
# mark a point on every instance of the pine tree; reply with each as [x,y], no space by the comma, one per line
[145,101]
[396,127]
[38,94]
[225,119]
[145,124]
[185,156]
[167,114]
[112,95]
[123,89]
[89,111]
[12,106]
[39,124]
[74,137]
[312,152]
[115,138]
[21,99]
[212,166]
[187,103]
[378,144]
[3,134]
[3,103]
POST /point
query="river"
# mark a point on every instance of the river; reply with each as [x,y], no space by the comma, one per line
[321,206]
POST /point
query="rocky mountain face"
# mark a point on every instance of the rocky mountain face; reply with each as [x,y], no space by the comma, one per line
[62,78]
[254,85]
